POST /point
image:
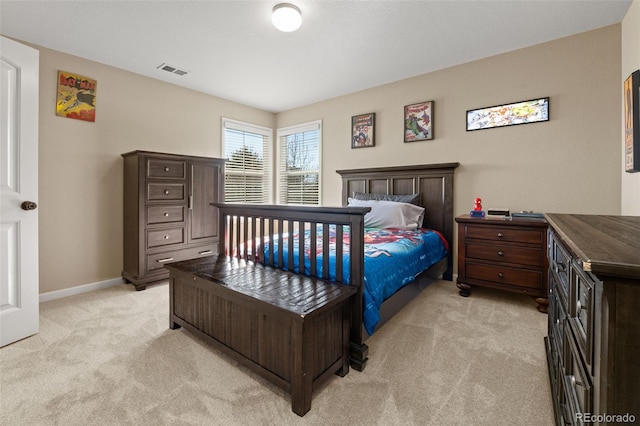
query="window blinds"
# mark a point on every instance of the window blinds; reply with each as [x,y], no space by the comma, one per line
[247,170]
[299,164]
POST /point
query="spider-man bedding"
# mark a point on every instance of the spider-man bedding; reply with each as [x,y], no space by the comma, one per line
[392,259]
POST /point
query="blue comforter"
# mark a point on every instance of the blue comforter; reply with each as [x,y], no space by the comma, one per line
[392,259]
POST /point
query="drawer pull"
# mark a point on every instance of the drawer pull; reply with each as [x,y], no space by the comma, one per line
[500,253]
[500,275]
[166,192]
[561,267]
[166,259]
[166,215]
[578,308]
[203,253]
[166,237]
[166,169]
[500,235]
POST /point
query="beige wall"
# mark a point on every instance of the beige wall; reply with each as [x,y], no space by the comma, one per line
[630,62]
[80,194]
[569,164]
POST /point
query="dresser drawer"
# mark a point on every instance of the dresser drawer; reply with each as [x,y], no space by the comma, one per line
[504,275]
[505,253]
[581,311]
[167,169]
[165,214]
[559,262]
[159,191]
[156,261]
[577,381]
[505,233]
[557,317]
[164,237]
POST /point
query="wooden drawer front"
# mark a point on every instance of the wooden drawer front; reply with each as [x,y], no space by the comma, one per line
[157,261]
[557,317]
[164,237]
[157,191]
[559,262]
[506,233]
[577,381]
[166,169]
[581,312]
[165,214]
[505,253]
[504,275]
[559,290]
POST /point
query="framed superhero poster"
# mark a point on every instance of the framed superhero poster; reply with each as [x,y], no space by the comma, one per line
[76,97]
[363,130]
[418,122]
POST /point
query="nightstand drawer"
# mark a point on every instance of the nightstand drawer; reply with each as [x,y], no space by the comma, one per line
[505,253]
[504,233]
[504,275]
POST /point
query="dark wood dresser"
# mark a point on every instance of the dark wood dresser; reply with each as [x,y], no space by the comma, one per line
[503,253]
[167,212]
[593,342]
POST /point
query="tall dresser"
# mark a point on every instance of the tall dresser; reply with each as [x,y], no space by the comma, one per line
[168,214]
[593,342]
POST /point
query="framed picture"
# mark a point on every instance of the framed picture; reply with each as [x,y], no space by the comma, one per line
[632,123]
[363,130]
[524,112]
[76,97]
[418,122]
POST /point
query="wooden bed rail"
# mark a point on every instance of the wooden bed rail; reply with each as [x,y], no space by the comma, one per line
[246,228]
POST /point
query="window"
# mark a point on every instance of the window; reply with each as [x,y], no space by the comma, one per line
[299,164]
[247,149]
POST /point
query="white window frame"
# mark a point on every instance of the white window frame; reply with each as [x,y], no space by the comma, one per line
[299,128]
[228,123]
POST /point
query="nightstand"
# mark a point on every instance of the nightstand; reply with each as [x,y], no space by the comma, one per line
[504,253]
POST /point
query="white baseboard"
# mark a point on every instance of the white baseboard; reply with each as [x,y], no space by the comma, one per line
[58,294]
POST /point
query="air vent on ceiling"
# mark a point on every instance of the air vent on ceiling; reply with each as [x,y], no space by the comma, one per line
[172,69]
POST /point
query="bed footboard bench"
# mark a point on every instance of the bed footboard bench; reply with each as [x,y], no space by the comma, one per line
[291,329]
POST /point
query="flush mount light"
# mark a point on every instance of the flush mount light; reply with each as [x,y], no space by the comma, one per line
[286,17]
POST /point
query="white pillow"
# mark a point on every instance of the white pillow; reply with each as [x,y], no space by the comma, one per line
[390,214]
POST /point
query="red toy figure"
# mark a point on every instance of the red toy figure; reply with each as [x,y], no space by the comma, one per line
[477,209]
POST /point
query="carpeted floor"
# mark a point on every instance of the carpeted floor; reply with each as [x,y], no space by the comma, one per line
[108,358]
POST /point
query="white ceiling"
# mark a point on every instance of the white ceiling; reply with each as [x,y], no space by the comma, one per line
[232,50]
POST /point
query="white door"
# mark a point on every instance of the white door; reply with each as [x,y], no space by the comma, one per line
[19,292]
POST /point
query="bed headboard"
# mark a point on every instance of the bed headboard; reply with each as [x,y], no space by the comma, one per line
[434,183]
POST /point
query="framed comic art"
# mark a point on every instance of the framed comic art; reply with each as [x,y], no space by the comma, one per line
[363,130]
[632,123]
[76,97]
[523,112]
[418,122]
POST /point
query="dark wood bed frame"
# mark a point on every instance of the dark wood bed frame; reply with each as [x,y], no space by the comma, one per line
[297,330]
[244,226]
[434,183]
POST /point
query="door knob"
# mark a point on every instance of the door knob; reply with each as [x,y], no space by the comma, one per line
[29,205]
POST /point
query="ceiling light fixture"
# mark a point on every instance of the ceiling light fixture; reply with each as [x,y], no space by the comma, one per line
[286,17]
